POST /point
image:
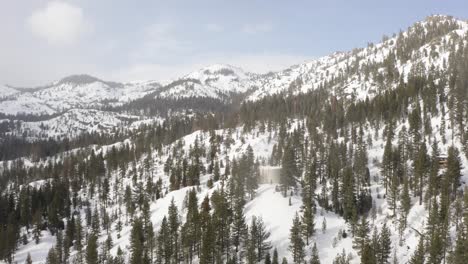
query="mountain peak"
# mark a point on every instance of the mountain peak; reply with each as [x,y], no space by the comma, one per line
[79,79]
[84,79]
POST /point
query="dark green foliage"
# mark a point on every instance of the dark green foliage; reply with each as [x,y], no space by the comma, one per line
[92,250]
[296,242]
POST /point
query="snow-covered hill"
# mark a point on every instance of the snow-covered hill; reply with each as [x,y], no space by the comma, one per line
[75,121]
[77,91]
[269,203]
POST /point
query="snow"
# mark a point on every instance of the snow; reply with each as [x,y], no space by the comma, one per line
[60,96]
[217,81]
[38,252]
[6,91]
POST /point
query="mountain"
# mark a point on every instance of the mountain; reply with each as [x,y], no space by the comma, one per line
[356,157]
[76,91]
[215,81]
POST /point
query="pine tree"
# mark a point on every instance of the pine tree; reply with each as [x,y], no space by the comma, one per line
[296,243]
[405,202]
[260,238]
[137,242]
[275,257]
[385,245]
[174,224]
[208,244]
[37,227]
[308,216]
[28,259]
[59,245]
[289,170]
[164,243]
[387,160]
[368,255]
[239,227]
[314,259]
[78,234]
[420,169]
[92,249]
[52,257]
[191,230]
[267,258]
[250,245]
[460,254]
[324,225]
[418,256]
[362,234]
[453,169]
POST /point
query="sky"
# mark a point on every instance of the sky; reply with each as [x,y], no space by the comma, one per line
[117,40]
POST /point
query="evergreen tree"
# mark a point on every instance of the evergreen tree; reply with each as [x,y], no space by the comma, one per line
[296,243]
[239,227]
[368,255]
[52,257]
[259,237]
[289,170]
[267,258]
[275,257]
[164,243]
[28,259]
[208,244]
[418,256]
[137,242]
[308,205]
[361,237]
[405,202]
[92,249]
[420,169]
[78,234]
[385,245]
[174,224]
[191,229]
[314,259]
[453,172]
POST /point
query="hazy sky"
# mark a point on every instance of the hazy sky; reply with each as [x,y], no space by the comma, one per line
[133,40]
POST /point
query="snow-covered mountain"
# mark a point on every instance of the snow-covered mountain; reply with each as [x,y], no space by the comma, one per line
[215,81]
[76,91]
[73,122]
[389,169]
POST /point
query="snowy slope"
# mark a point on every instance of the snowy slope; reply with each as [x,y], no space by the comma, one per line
[6,91]
[345,71]
[269,203]
[75,121]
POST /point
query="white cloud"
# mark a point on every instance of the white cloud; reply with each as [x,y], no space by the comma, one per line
[214,28]
[58,23]
[159,40]
[257,28]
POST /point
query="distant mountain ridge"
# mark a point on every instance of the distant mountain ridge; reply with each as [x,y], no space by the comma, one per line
[355,74]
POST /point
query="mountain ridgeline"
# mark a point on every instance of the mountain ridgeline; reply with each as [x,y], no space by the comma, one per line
[370,148]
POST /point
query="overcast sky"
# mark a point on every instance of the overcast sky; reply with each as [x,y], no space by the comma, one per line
[134,40]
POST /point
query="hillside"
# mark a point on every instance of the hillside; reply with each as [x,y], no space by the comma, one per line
[371,148]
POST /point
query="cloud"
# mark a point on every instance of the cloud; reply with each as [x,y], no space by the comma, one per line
[257,28]
[214,28]
[58,23]
[159,40]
